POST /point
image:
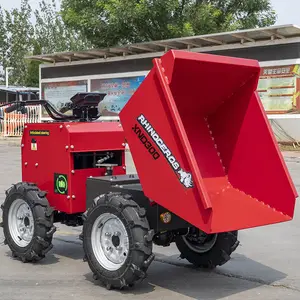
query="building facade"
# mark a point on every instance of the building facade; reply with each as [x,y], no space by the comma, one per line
[119,71]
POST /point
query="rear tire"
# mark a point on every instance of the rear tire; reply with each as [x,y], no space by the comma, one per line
[117,240]
[27,222]
[214,252]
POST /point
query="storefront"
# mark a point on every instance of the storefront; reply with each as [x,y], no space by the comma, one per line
[119,71]
[117,87]
[279,90]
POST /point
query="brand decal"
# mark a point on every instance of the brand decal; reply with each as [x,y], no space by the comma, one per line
[148,145]
[60,184]
[184,177]
[39,132]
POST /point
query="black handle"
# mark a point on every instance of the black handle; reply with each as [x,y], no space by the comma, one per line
[11,108]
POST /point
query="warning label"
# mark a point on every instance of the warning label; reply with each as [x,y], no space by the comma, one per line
[39,132]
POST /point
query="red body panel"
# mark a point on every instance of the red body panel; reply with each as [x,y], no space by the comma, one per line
[182,123]
[53,154]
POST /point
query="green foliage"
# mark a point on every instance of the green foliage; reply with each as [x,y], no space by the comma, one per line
[239,14]
[19,37]
[32,75]
[24,33]
[108,23]
[83,24]
[51,33]
[3,45]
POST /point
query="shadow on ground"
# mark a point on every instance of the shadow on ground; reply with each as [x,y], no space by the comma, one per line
[183,278]
[174,274]
[62,247]
[70,247]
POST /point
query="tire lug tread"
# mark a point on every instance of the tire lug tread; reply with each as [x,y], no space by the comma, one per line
[42,239]
[134,218]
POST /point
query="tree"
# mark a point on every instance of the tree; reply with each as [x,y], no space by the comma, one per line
[107,23]
[20,34]
[51,33]
[20,37]
[239,14]
[3,45]
[32,75]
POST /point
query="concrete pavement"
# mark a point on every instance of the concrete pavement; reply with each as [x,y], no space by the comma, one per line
[264,267]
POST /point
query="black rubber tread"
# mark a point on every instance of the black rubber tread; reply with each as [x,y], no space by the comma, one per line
[225,245]
[140,253]
[43,218]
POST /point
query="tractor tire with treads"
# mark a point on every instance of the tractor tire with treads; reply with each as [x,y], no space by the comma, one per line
[27,222]
[214,251]
[117,240]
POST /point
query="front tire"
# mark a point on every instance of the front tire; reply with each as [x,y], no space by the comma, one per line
[207,251]
[27,222]
[117,240]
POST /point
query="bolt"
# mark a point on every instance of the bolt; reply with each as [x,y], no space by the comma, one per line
[68,197]
[68,126]
[22,145]
[109,249]
[67,147]
[36,164]
[119,248]
[117,233]
[60,126]
[73,196]
[72,171]
[72,147]
[124,168]
[123,144]
[25,126]
[107,233]
[26,164]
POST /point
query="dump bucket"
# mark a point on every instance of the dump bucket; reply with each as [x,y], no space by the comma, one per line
[202,144]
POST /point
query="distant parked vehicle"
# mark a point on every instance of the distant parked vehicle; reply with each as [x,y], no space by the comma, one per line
[13,124]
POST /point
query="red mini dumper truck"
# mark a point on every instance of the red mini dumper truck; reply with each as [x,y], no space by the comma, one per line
[207,164]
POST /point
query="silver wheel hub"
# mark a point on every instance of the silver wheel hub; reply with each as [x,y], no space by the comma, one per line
[21,222]
[200,242]
[110,241]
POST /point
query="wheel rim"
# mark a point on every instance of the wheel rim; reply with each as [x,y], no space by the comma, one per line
[200,242]
[21,223]
[110,242]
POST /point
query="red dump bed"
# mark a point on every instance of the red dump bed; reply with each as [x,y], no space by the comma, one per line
[203,146]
